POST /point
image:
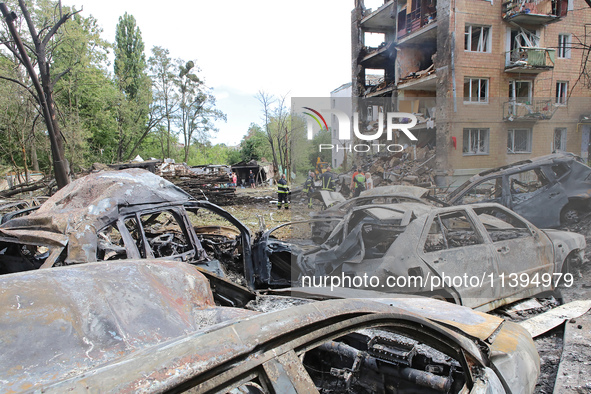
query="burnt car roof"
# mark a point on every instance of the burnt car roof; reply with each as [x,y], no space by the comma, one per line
[87,204]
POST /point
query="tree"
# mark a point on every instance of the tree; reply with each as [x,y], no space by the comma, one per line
[196,107]
[163,83]
[43,44]
[135,120]
[86,97]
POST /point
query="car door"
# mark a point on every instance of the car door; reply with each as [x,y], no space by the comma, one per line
[534,196]
[523,253]
[460,256]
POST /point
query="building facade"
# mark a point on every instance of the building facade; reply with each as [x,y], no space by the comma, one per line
[492,82]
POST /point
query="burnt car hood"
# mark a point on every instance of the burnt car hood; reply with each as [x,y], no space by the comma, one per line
[80,317]
[84,206]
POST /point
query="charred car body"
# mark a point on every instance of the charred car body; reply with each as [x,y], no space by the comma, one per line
[129,214]
[379,195]
[548,190]
[153,326]
[480,255]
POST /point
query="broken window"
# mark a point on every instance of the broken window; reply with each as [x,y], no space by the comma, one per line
[501,225]
[561,92]
[165,235]
[519,141]
[477,38]
[559,170]
[564,45]
[526,184]
[560,139]
[520,91]
[451,230]
[490,190]
[476,141]
[476,90]
[110,245]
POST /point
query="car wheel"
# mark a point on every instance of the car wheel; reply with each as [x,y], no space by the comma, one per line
[570,215]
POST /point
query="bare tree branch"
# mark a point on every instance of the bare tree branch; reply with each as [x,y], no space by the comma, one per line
[27,88]
[55,27]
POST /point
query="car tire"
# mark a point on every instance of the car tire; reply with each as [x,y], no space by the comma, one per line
[570,214]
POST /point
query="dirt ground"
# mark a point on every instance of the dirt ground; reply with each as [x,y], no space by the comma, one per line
[565,355]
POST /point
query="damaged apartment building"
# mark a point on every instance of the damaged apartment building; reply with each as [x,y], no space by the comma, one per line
[491,82]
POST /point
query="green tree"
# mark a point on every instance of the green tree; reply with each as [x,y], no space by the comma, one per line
[134,118]
[254,145]
[163,85]
[322,137]
[196,107]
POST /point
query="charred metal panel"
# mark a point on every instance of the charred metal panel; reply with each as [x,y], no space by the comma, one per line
[67,320]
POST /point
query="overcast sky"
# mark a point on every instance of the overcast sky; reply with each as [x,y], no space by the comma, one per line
[298,47]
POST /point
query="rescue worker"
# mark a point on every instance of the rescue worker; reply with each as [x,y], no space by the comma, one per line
[282,192]
[309,188]
[328,180]
[359,183]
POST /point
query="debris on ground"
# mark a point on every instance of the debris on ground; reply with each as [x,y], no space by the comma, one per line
[413,166]
[546,321]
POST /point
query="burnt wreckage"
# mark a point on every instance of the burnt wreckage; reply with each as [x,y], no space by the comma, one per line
[128,214]
[548,190]
[152,326]
[133,214]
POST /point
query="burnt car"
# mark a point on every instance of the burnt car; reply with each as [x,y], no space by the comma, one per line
[379,195]
[152,326]
[548,191]
[128,214]
[481,255]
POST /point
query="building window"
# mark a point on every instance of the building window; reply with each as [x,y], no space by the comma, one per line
[475,142]
[560,139]
[477,38]
[476,90]
[561,92]
[519,141]
[564,45]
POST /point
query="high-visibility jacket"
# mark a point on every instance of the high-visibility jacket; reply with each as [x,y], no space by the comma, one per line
[327,181]
[282,186]
[360,181]
[309,185]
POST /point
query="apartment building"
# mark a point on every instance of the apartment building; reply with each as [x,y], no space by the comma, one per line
[492,82]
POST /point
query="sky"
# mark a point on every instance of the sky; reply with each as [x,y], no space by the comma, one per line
[297,48]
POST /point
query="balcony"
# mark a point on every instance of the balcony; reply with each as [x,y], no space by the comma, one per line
[379,20]
[419,20]
[530,60]
[528,110]
[377,57]
[534,12]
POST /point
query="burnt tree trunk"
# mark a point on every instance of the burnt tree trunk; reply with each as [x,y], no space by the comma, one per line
[43,93]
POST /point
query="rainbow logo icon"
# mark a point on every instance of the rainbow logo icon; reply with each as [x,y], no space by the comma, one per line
[315,118]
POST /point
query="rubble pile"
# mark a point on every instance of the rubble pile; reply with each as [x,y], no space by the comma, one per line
[209,187]
[414,166]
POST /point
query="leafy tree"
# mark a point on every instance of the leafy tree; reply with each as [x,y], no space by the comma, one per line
[135,120]
[196,107]
[322,137]
[163,84]
[254,145]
